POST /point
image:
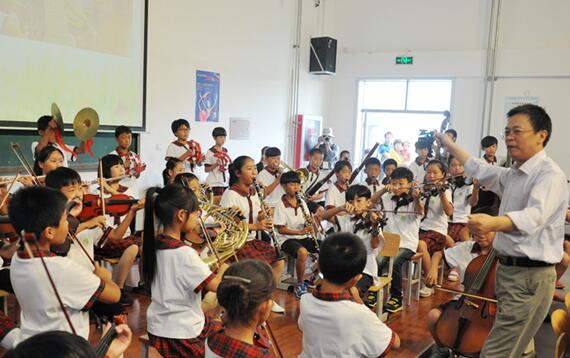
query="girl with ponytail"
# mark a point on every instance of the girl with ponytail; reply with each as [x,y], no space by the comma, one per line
[176,324]
[245,293]
[174,166]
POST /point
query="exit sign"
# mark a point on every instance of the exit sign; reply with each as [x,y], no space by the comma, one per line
[404,60]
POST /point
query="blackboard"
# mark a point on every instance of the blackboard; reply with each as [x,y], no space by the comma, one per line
[104,143]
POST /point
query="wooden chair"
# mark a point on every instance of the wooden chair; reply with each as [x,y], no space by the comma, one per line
[560,321]
[414,276]
[390,250]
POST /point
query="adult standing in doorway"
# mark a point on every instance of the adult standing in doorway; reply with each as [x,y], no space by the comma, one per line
[330,150]
[530,227]
[385,148]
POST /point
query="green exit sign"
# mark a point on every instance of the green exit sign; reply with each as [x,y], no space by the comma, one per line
[404,60]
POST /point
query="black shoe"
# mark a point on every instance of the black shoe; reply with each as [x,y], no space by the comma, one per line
[126,299]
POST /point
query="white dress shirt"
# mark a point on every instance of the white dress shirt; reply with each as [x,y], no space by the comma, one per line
[534,197]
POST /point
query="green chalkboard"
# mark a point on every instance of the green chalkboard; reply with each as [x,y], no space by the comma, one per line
[104,143]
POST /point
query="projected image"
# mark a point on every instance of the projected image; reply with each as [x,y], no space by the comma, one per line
[77,53]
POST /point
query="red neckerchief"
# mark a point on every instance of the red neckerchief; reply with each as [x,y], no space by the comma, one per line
[224,159]
[287,204]
[372,181]
[316,171]
[490,161]
[164,242]
[246,193]
[274,173]
[341,189]
[332,297]
[125,154]
[23,254]
[196,149]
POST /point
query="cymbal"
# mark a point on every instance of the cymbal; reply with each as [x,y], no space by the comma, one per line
[86,123]
[56,115]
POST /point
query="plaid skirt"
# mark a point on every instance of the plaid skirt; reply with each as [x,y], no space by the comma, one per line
[258,250]
[453,230]
[113,249]
[6,325]
[434,240]
[190,347]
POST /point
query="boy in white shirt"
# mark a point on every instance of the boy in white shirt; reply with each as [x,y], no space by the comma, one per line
[314,175]
[42,212]
[132,161]
[188,151]
[217,162]
[332,324]
[372,170]
[269,177]
[419,165]
[463,196]
[388,167]
[335,193]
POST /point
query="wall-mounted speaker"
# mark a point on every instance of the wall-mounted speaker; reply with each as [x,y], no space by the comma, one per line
[323,56]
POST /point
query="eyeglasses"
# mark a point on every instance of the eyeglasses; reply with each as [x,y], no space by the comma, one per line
[517,132]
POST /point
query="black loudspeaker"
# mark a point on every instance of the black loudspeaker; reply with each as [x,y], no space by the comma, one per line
[323,56]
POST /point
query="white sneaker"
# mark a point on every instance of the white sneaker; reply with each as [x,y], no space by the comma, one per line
[276,308]
[426,292]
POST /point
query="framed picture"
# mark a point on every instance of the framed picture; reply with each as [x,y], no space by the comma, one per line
[307,133]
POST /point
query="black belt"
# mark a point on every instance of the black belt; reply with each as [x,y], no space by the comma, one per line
[522,262]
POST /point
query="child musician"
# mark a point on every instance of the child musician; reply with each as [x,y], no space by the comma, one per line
[463,196]
[372,170]
[132,162]
[176,324]
[365,225]
[245,293]
[269,177]
[188,151]
[242,195]
[437,208]
[388,167]
[47,129]
[488,201]
[48,159]
[174,166]
[335,193]
[42,212]
[314,175]
[419,165]
[403,209]
[332,324]
[294,231]
[217,162]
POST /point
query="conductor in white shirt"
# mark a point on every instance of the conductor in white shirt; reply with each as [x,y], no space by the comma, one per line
[530,227]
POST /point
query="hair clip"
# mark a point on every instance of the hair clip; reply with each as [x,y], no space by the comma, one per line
[237,278]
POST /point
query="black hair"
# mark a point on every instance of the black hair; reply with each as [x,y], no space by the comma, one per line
[422,144]
[236,166]
[52,344]
[402,173]
[340,165]
[35,208]
[372,161]
[184,178]
[163,203]
[43,122]
[453,132]
[263,150]
[272,152]
[109,161]
[289,177]
[537,116]
[62,176]
[488,141]
[389,161]
[219,132]
[241,298]
[342,152]
[122,130]
[357,190]
[342,257]
[42,156]
[170,165]
[179,123]
[315,151]
[442,166]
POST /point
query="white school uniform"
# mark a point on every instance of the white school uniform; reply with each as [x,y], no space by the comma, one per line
[436,220]
[175,309]
[175,150]
[419,170]
[374,186]
[335,197]
[314,178]
[459,256]
[347,225]
[232,198]
[265,178]
[88,238]
[41,311]
[404,224]
[216,178]
[290,217]
[341,328]
[461,207]
[67,156]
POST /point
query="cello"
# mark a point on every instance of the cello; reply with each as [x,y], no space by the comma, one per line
[465,324]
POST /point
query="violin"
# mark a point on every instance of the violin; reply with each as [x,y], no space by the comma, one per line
[118,205]
[465,324]
[103,346]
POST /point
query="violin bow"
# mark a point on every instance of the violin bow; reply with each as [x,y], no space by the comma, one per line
[8,190]
[470,295]
[103,209]
[27,167]
[76,239]
[30,253]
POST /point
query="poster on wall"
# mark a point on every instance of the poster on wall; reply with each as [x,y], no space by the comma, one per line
[307,133]
[207,96]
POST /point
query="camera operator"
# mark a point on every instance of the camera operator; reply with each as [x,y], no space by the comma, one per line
[329,149]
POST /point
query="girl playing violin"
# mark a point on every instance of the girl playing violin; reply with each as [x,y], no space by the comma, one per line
[176,324]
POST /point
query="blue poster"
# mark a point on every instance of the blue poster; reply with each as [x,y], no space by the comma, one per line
[207,96]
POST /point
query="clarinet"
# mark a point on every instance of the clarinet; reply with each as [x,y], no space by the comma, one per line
[308,221]
[271,232]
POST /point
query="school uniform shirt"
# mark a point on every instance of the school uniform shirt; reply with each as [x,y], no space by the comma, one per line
[88,239]
[68,155]
[373,184]
[313,178]
[290,217]
[111,220]
[534,197]
[404,224]
[435,220]
[346,224]
[335,326]
[175,309]
[419,170]
[265,178]
[175,150]
[219,176]
[248,203]
[136,165]
[335,197]
[459,256]
[78,288]
[461,207]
